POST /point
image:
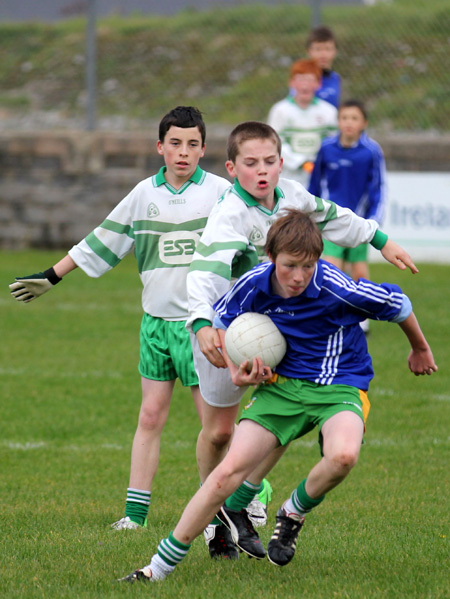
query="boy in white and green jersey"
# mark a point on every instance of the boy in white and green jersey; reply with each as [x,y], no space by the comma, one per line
[302,121]
[161,220]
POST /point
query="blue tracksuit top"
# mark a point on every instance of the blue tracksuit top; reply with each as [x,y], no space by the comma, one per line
[352,177]
[330,88]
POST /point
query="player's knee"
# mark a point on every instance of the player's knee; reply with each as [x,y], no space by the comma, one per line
[344,460]
[152,420]
[219,437]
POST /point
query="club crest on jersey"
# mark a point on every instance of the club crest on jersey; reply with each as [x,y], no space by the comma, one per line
[256,235]
[152,210]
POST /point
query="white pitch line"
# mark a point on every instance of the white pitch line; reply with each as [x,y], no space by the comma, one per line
[97,374]
[33,445]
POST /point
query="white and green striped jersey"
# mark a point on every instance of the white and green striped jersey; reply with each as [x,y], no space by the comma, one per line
[162,225]
[302,129]
[234,237]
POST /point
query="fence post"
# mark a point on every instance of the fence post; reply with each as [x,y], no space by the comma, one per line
[316,18]
[91,67]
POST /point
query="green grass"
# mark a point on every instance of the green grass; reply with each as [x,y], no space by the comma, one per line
[233,62]
[70,400]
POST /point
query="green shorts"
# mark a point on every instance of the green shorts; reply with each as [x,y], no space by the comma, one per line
[290,408]
[166,352]
[357,254]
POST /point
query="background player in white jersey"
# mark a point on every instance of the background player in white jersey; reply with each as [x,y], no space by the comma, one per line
[302,120]
[161,221]
[312,303]
[350,170]
[232,242]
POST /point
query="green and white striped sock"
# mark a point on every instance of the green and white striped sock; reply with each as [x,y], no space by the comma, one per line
[137,504]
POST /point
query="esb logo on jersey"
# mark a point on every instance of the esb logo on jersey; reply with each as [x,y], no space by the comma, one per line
[177,247]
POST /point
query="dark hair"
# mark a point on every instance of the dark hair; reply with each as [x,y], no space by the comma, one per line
[184,117]
[355,104]
[322,33]
[294,233]
[250,130]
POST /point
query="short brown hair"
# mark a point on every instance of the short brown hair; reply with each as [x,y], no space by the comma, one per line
[306,66]
[250,130]
[294,233]
[322,33]
[355,104]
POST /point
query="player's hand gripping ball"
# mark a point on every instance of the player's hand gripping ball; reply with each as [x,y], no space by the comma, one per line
[253,335]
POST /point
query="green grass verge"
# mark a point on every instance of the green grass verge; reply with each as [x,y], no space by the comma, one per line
[70,400]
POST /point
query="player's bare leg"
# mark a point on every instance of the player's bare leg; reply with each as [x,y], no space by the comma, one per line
[198,400]
[251,444]
[360,270]
[342,437]
[218,426]
[156,396]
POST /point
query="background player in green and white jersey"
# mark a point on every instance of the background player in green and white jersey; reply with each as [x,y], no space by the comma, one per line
[232,242]
[161,220]
[302,120]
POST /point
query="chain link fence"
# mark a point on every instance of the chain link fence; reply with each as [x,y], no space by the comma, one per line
[231,62]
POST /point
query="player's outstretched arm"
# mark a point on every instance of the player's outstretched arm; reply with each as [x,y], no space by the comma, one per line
[26,289]
[396,255]
[420,359]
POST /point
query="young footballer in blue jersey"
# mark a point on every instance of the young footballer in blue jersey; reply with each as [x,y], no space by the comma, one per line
[321,46]
[232,242]
[350,170]
[321,382]
[161,221]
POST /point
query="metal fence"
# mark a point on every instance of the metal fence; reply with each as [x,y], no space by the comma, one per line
[232,62]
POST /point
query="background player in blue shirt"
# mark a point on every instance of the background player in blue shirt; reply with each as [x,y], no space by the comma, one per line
[321,46]
[350,170]
[322,381]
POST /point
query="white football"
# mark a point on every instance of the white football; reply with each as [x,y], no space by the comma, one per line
[252,335]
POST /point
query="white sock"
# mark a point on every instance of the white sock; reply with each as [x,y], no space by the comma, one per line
[159,568]
[291,510]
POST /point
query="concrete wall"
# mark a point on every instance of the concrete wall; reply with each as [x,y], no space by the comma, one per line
[56,187]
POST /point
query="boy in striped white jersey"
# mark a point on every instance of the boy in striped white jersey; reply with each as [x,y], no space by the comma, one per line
[302,120]
[321,382]
[161,221]
[350,170]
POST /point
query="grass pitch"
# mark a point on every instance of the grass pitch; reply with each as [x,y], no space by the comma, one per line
[70,401]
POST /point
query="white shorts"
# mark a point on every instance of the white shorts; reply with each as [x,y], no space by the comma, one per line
[216,386]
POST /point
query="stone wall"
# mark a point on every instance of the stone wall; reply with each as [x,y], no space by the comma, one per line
[56,187]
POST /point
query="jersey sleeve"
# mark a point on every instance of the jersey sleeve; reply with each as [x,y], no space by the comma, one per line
[239,299]
[108,243]
[376,301]
[339,225]
[224,238]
